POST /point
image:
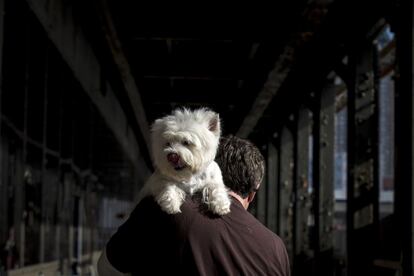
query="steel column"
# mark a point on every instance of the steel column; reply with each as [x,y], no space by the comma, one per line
[302,196]
[363,194]
[3,184]
[286,189]
[262,200]
[272,184]
[404,134]
[323,169]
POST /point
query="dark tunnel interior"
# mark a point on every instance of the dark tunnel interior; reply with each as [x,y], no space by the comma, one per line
[324,88]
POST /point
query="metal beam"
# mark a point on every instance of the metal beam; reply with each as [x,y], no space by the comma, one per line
[253,50]
[283,66]
[124,68]
[185,39]
[174,78]
[57,18]
[274,81]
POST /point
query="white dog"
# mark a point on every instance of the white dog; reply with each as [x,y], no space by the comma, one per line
[184,146]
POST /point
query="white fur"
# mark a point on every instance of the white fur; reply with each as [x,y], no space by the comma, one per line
[194,136]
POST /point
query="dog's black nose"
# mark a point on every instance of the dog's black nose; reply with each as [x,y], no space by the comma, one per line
[173,158]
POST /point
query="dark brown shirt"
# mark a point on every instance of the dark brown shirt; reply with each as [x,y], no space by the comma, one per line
[195,242]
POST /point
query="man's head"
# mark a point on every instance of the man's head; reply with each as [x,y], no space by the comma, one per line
[242,165]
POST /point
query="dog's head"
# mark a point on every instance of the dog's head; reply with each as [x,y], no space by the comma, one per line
[185,142]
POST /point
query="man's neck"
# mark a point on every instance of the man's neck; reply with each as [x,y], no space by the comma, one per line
[243,201]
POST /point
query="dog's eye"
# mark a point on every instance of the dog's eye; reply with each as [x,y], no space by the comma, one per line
[186,143]
[168,144]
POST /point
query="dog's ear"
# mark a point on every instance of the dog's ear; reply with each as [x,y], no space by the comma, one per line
[214,124]
[157,126]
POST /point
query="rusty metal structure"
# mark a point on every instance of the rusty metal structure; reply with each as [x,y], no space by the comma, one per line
[323,87]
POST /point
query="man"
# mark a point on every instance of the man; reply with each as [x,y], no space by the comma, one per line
[195,242]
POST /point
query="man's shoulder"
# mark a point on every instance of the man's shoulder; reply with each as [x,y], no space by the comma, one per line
[276,245]
[148,201]
[272,235]
[148,210]
[146,204]
[194,213]
[268,235]
[149,207]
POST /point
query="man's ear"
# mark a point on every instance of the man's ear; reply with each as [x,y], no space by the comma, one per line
[214,124]
[250,197]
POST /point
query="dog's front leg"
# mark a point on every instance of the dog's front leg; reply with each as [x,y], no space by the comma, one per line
[215,193]
[170,199]
[217,199]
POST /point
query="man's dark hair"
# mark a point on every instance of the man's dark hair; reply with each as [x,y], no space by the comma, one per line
[241,164]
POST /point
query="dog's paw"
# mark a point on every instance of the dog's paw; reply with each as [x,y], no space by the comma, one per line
[220,210]
[171,208]
[170,201]
[219,203]
[169,205]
